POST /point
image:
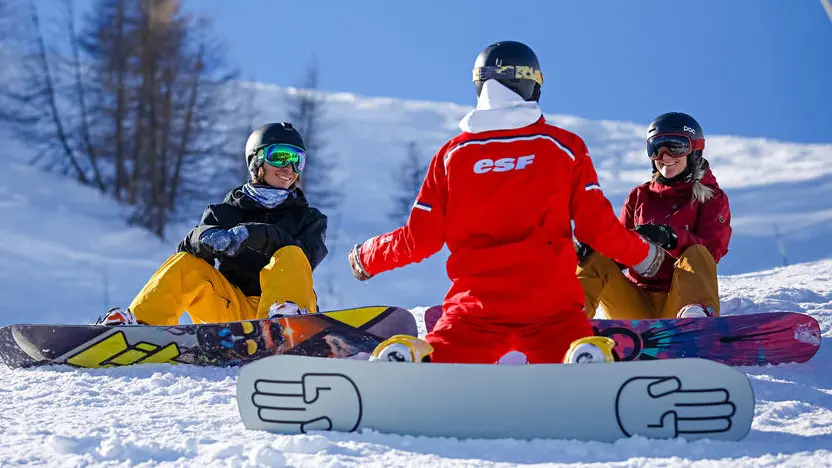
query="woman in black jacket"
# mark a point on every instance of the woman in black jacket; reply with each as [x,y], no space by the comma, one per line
[264,236]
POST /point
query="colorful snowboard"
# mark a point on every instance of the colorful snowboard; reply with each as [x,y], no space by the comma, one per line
[337,334]
[736,340]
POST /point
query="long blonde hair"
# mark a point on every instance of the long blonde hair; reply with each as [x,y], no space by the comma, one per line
[700,192]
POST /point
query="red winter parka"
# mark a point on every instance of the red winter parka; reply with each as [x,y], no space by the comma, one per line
[697,211]
[502,195]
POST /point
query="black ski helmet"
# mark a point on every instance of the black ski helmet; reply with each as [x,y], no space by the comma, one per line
[270,134]
[513,64]
[681,124]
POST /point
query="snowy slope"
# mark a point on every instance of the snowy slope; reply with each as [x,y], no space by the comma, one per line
[66,255]
[66,252]
[187,416]
[68,240]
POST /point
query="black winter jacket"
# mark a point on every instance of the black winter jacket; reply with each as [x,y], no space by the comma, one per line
[293,222]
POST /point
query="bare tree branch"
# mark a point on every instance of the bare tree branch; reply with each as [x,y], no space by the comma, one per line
[51,97]
[140,103]
[83,118]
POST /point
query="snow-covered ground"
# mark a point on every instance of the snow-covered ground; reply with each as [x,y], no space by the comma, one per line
[187,416]
[66,256]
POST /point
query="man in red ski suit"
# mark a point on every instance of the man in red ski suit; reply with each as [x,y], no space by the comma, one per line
[502,195]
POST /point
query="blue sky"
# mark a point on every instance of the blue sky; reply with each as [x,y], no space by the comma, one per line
[744,67]
[760,68]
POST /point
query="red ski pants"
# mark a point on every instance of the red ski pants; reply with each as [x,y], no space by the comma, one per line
[465,339]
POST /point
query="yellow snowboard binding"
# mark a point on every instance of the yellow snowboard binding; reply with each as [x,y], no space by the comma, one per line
[590,350]
[402,348]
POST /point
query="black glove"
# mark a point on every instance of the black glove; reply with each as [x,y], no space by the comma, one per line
[661,234]
[583,250]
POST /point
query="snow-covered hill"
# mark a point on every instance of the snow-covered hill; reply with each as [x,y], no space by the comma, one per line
[68,240]
[186,416]
[66,255]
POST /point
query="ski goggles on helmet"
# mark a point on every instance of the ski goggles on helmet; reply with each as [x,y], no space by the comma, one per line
[508,72]
[678,145]
[282,155]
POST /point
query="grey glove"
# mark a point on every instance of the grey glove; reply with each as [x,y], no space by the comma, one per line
[355,263]
[649,267]
[225,242]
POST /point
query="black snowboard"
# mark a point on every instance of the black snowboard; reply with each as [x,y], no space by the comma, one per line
[338,334]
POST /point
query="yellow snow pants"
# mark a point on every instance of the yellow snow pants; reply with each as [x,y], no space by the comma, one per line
[188,283]
[694,281]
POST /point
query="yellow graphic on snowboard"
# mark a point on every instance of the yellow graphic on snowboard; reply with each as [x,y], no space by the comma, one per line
[115,351]
[357,318]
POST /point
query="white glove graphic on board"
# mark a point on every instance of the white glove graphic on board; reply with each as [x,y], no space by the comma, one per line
[316,402]
[658,407]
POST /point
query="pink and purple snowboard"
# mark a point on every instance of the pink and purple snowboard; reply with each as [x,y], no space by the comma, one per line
[736,340]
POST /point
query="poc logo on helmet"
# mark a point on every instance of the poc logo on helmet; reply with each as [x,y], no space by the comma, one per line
[502,165]
[688,129]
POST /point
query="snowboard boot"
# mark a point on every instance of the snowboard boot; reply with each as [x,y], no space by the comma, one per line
[695,311]
[116,317]
[590,350]
[285,309]
[402,348]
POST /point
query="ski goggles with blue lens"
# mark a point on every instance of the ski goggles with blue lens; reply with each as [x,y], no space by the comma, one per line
[282,155]
[678,145]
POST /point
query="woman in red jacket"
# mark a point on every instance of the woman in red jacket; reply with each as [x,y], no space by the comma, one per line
[503,195]
[683,210]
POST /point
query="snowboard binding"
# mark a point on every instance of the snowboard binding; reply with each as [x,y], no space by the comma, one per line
[402,348]
[590,350]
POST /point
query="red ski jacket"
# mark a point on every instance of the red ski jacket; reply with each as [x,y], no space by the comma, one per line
[705,221]
[503,200]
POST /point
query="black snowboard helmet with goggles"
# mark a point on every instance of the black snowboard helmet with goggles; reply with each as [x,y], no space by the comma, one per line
[513,64]
[278,144]
[681,135]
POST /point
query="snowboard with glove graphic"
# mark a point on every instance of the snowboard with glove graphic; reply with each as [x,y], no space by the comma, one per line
[683,398]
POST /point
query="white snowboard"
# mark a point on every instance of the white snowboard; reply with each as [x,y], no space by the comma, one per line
[689,398]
